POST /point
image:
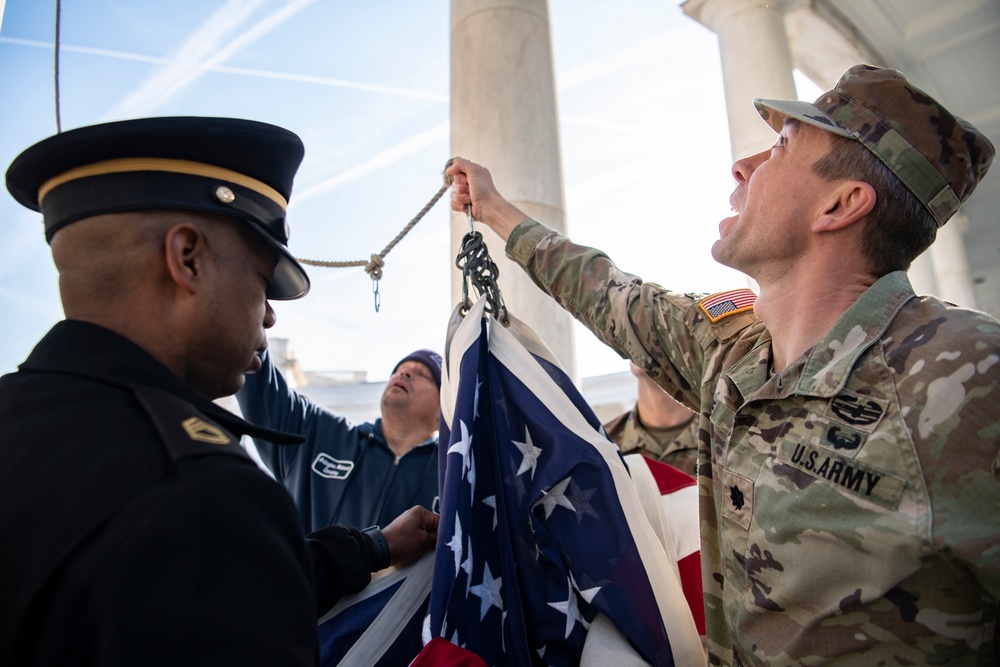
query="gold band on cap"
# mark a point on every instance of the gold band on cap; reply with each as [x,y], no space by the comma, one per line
[125,165]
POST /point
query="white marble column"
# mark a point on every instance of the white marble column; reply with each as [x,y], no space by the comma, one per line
[951,263]
[756,62]
[503,116]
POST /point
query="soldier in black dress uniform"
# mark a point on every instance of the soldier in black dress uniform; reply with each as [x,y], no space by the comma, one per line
[135,530]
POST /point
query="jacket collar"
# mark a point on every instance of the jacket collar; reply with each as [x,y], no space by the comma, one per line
[658,441]
[823,370]
[829,364]
[89,350]
[374,432]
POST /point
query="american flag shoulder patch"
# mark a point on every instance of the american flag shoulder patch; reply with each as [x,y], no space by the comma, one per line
[723,304]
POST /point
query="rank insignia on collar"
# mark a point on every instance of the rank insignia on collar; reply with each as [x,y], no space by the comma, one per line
[202,431]
[723,304]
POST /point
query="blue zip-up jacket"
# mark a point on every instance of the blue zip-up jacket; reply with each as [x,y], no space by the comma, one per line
[343,474]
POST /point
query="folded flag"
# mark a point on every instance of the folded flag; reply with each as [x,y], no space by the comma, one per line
[669,498]
[542,534]
[381,625]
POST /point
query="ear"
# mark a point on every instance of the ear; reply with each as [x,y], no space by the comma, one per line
[184,251]
[849,202]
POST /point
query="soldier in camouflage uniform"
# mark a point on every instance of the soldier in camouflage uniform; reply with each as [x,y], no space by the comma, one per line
[657,427]
[848,468]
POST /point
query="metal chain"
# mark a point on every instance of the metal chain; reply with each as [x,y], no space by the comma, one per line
[481,271]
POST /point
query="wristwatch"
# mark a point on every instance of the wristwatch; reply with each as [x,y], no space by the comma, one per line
[382,555]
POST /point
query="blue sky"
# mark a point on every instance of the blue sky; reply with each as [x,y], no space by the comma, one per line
[365,84]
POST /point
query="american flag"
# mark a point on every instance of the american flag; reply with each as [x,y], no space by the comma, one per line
[718,305]
[542,539]
[381,625]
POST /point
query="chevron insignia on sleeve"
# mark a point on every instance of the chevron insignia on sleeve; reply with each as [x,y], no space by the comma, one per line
[724,304]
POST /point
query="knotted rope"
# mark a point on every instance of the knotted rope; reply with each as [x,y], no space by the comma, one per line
[473,260]
[373,265]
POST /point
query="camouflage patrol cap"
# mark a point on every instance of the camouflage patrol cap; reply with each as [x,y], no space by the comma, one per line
[939,157]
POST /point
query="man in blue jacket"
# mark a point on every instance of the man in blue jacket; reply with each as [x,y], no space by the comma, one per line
[356,475]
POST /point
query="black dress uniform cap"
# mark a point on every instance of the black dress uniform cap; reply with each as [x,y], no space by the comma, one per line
[228,166]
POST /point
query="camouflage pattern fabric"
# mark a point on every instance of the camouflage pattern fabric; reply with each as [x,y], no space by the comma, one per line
[674,445]
[938,156]
[850,504]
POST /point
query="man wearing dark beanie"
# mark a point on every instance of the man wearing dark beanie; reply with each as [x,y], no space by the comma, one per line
[357,475]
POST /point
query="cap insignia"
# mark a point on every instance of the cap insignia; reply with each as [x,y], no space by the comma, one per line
[224,195]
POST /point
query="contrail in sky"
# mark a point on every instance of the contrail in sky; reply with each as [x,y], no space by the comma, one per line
[205,51]
[240,71]
[88,50]
[201,52]
[184,66]
[654,48]
[378,161]
[339,83]
[630,128]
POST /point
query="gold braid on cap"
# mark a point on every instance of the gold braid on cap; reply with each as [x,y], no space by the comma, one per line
[125,165]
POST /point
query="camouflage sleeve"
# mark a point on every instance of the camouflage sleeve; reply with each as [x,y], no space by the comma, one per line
[950,380]
[661,331]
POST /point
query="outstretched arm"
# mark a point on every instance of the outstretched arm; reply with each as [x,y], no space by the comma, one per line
[267,400]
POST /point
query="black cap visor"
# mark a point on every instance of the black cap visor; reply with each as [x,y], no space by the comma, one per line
[290,279]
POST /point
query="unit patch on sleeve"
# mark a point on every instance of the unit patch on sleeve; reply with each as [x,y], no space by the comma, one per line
[723,304]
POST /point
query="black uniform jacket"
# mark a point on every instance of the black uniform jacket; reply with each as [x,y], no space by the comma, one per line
[134,530]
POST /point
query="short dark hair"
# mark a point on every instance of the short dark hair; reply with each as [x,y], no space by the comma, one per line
[899,227]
